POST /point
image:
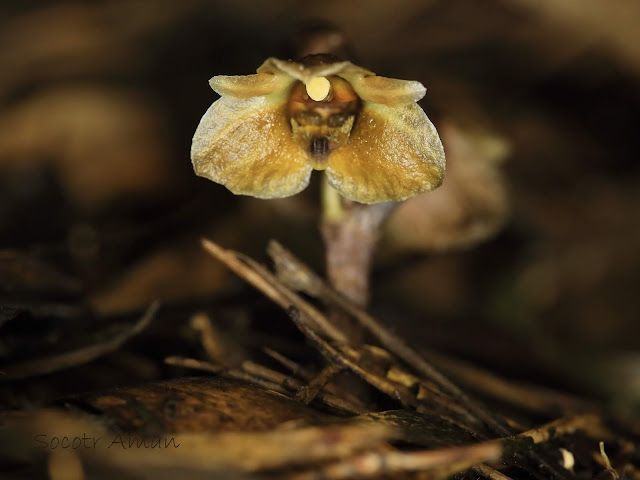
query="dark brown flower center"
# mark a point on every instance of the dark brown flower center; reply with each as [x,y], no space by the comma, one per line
[322,126]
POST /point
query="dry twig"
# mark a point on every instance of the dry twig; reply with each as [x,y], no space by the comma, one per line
[301,372]
[269,379]
[80,356]
[264,281]
[308,392]
[211,339]
[443,462]
[395,391]
[589,423]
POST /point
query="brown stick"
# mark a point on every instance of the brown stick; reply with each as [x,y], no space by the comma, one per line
[223,371]
[589,423]
[266,378]
[307,393]
[444,461]
[299,371]
[264,281]
[396,391]
[55,363]
[211,339]
[528,397]
[491,473]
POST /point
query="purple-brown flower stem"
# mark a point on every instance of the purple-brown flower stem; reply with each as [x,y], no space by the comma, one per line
[350,236]
[350,230]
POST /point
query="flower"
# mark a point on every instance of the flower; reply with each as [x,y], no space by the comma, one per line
[268,131]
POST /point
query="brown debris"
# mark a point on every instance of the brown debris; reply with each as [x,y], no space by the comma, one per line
[252,418]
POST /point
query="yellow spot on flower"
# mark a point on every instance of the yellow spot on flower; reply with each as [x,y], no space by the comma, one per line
[318,88]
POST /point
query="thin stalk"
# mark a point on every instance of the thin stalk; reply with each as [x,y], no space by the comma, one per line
[350,232]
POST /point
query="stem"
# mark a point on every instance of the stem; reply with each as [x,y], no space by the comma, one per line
[332,210]
[350,231]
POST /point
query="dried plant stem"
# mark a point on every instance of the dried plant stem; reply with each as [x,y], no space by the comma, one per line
[80,356]
[307,393]
[300,372]
[227,372]
[491,473]
[269,379]
[528,397]
[333,355]
[268,284]
[210,337]
[444,462]
[589,423]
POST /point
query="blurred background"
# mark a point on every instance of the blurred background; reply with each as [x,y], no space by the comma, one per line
[526,261]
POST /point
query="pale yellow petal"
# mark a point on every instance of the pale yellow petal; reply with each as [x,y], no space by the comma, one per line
[388,91]
[246,86]
[392,154]
[246,145]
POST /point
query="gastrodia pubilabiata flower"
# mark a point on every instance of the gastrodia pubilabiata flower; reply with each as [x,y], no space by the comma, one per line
[268,131]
